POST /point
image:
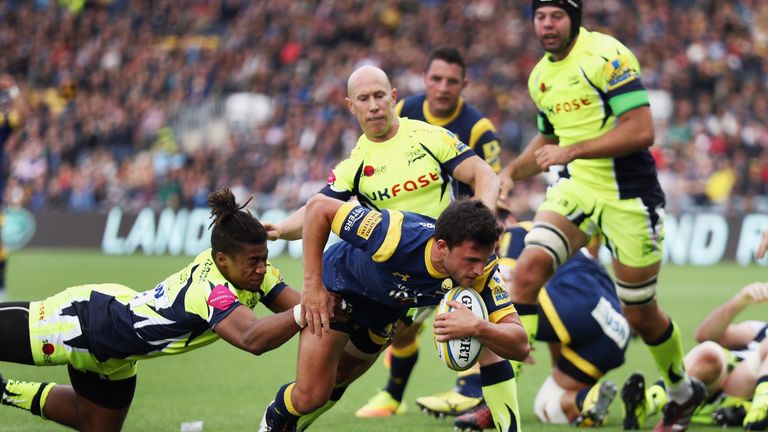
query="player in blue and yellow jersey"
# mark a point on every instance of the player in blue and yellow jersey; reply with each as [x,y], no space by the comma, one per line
[399,164]
[441,104]
[584,346]
[594,118]
[387,263]
[13,108]
[731,360]
[101,331]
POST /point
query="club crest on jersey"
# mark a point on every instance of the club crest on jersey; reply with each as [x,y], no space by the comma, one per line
[414,153]
[619,72]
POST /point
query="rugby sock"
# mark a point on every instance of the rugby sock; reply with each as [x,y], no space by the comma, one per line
[306,420]
[281,413]
[582,394]
[468,383]
[668,354]
[500,392]
[30,396]
[401,365]
[529,317]
[761,392]
[655,398]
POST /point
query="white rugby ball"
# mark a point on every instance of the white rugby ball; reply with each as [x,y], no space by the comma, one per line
[461,354]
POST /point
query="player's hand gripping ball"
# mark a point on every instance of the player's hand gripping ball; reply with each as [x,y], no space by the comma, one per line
[461,354]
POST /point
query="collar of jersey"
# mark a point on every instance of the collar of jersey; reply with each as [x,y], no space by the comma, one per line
[428,261]
[442,121]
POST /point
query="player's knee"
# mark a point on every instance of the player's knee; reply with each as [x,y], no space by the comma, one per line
[547,406]
[637,293]
[706,362]
[309,398]
[547,237]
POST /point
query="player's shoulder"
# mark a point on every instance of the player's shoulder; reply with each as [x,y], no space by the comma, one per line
[600,47]
[412,105]
[470,112]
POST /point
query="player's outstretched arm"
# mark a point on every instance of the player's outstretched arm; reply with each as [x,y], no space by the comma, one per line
[480,176]
[289,229]
[717,325]
[316,301]
[507,338]
[244,330]
[523,166]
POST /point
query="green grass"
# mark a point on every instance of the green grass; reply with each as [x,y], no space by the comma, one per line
[228,389]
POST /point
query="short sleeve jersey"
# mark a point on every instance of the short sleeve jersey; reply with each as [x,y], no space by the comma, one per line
[386,258]
[581,97]
[466,122]
[177,315]
[411,171]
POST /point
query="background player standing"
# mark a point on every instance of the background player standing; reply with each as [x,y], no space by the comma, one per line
[594,117]
[441,104]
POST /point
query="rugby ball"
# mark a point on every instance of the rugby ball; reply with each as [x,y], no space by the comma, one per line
[461,354]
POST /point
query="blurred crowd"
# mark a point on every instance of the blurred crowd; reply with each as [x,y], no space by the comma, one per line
[156,102]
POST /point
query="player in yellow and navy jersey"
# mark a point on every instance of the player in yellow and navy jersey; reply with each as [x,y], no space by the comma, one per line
[441,104]
[594,118]
[388,262]
[397,164]
[580,318]
[100,331]
[400,164]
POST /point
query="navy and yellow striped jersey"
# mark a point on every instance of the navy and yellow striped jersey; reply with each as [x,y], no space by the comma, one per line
[467,123]
[385,260]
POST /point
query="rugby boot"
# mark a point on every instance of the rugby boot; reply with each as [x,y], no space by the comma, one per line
[677,416]
[595,408]
[381,405]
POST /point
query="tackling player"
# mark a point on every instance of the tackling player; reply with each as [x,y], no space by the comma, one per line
[594,118]
[100,331]
[389,262]
[441,104]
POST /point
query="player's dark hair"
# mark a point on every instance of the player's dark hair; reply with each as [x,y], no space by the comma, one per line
[449,55]
[233,227]
[571,7]
[468,220]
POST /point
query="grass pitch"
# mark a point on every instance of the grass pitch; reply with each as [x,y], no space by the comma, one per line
[228,389]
